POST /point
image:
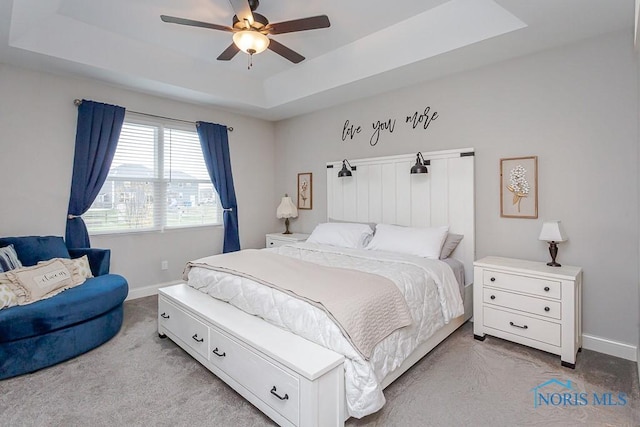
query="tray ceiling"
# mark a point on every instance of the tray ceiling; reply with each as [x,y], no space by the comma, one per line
[370,48]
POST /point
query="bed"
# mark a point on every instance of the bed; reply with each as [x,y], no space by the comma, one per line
[320,374]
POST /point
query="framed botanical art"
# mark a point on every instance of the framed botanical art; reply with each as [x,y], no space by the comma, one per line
[305,190]
[519,187]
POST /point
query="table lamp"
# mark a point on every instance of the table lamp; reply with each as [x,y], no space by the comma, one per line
[286,210]
[552,232]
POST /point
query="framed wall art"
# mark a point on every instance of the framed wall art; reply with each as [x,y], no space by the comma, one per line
[519,187]
[305,190]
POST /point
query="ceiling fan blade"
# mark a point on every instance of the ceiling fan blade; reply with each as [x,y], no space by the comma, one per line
[311,23]
[242,10]
[285,52]
[228,53]
[182,21]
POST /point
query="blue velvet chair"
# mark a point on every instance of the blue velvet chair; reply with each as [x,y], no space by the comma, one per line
[52,330]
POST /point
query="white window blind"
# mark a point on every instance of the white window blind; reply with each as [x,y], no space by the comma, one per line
[157,179]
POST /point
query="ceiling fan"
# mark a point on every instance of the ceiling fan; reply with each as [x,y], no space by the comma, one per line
[250,31]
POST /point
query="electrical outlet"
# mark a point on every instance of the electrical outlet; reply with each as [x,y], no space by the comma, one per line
[164,265]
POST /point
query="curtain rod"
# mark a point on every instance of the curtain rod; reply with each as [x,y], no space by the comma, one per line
[77,103]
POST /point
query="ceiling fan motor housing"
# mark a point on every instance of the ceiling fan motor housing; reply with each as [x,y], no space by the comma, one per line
[253,4]
[259,22]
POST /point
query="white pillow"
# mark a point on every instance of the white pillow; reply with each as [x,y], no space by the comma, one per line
[422,242]
[370,224]
[342,234]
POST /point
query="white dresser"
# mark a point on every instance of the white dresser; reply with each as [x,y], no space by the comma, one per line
[529,303]
[278,239]
[292,380]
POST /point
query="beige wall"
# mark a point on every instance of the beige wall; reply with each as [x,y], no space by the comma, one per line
[575,107]
[38,123]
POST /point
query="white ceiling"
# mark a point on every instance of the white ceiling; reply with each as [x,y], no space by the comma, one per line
[370,48]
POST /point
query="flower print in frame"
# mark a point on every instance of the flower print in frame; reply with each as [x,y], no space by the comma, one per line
[519,187]
[305,182]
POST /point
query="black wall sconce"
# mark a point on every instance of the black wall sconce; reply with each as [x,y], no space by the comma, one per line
[344,171]
[421,164]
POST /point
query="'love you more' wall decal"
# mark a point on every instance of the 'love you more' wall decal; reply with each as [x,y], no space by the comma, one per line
[417,119]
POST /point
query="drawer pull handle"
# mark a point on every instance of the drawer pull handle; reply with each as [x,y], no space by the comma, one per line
[547,309]
[195,337]
[546,289]
[492,297]
[493,279]
[165,316]
[215,351]
[273,391]
[518,326]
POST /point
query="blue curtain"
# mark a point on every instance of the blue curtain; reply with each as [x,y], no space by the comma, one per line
[215,148]
[97,134]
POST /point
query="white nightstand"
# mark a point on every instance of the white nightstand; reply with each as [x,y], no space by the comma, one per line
[278,239]
[529,303]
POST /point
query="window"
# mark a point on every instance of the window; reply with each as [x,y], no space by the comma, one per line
[158,179]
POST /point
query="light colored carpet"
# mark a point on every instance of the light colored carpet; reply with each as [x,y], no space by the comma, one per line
[137,379]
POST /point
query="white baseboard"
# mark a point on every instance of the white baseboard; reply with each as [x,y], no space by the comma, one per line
[612,348]
[149,290]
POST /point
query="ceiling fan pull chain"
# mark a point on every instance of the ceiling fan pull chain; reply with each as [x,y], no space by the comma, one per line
[250,52]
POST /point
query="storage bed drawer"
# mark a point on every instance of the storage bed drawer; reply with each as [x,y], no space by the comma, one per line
[190,330]
[274,386]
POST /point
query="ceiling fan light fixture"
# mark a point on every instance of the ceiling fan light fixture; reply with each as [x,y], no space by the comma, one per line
[251,41]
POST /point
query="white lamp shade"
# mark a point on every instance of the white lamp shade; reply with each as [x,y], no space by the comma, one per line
[287,209]
[552,232]
[250,41]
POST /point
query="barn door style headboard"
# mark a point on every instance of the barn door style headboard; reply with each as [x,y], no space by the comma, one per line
[382,190]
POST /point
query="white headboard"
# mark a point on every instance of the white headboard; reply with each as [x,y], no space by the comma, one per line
[382,190]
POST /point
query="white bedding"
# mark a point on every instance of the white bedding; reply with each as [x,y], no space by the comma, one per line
[429,286]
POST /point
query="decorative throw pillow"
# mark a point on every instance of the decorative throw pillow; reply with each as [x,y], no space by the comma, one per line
[450,245]
[48,278]
[9,259]
[7,296]
[75,266]
[83,266]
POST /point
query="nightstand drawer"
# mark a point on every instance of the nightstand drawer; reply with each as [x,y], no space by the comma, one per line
[274,243]
[539,306]
[524,326]
[530,285]
[273,240]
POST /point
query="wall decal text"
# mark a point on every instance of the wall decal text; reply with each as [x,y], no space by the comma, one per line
[417,119]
